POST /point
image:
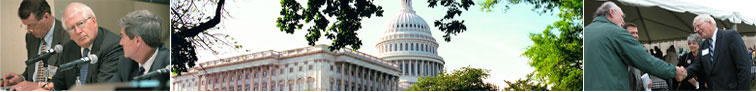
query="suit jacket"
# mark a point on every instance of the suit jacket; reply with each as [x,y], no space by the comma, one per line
[128,68]
[609,51]
[59,36]
[109,52]
[685,61]
[730,69]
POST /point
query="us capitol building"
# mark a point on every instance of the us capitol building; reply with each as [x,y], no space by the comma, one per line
[407,51]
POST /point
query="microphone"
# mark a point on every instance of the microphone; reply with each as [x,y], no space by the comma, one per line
[46,54]
[165,70]
[92,58]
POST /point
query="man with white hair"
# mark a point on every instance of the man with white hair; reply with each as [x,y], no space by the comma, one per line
[610,50]
[87,38]
[724,63]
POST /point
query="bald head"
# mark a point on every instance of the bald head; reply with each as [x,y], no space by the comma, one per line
[80,22]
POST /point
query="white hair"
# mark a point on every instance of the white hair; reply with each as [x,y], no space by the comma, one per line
[704,18]
[78,6]
[603,10]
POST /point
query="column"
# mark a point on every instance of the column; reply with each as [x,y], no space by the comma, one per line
[423,68]
[341,81]
[401,67]
[259,72]
[251,80]
[270,77]
[411,68]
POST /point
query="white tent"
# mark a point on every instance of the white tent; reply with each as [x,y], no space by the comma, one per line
[669,20]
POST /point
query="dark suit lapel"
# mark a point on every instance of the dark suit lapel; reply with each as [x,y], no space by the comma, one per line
[93,72]
[60,36]
[128,70]
[706,58]
[719,48]
[161,60]
[32,45]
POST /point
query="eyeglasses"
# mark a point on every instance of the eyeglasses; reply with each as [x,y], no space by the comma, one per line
[77,25]
[32,25]
[697,26]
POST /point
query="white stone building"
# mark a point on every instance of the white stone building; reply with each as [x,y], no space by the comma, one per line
[407,51]
[407,42]
[309,68]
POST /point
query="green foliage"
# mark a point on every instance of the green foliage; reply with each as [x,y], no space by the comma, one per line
[348,14]
[527,84]
[557,58]
[448,24]
[464,79]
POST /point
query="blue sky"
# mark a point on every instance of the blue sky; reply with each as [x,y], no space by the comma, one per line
[493,41]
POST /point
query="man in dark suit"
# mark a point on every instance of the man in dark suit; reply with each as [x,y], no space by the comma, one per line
[87,39]
[724,63]
[142,45]
[43,32]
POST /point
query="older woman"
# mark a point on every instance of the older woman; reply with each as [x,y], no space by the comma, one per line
[687,59]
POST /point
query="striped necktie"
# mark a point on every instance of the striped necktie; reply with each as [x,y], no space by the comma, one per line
[711,48]
[39,76]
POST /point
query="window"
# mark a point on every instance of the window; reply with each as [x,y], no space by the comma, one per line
[426,48]
[411,46]
[417,47]
[310,67]
[400,47]
[291,70]
[331,67]
[338,69]
[394,47]
[405,46]
[301,69]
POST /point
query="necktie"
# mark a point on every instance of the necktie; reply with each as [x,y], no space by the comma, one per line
[141,70]
[40,75]
[84,69]
[711,48]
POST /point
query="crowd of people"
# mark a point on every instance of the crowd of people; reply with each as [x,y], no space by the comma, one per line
[717,59]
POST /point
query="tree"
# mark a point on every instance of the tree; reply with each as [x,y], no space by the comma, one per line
[348,15]
[464,79]
[527,84]
[448,24]
[557,58]
[190,27]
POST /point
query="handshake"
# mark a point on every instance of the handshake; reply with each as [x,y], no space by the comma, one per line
[681,73]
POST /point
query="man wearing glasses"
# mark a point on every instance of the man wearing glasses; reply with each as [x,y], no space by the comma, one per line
[43,31]
[87,39]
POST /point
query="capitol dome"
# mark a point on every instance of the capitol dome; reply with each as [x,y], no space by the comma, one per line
[407,42]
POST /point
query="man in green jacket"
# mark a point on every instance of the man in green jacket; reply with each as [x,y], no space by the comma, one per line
[609,49]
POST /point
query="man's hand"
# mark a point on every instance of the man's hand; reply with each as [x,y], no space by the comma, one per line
[681,73]
[49,86]
[692,81]
[25,86]
[11,79]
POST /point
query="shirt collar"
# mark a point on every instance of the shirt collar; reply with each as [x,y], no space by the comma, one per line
[48,37]
[147,64]
[714,38]
[82,50]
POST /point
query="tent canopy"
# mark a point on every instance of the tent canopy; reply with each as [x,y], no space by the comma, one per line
[667,20]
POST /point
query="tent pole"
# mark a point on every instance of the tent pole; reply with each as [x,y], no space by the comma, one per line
[644,24]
